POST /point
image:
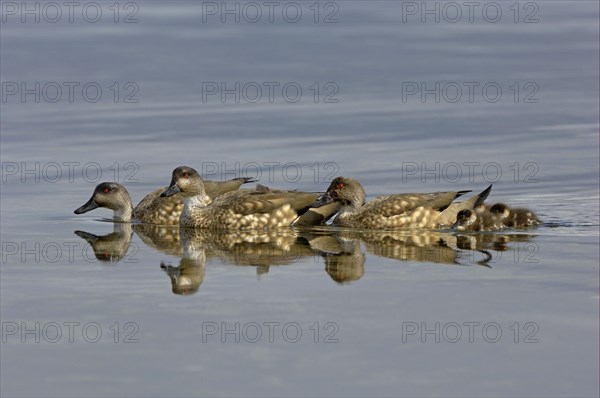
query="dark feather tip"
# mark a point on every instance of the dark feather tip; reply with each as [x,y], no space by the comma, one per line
[483,196]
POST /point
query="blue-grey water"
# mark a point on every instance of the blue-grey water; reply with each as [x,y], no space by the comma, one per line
[503,93]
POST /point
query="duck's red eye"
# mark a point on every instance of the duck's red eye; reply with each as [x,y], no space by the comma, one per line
[105,190]
[186,175]
[340,185]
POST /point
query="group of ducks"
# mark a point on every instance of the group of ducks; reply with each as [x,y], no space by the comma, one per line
[189,201]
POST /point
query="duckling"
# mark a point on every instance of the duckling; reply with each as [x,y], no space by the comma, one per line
[250,209]
[465,219]
[472,220]
[412,210]
[152,209]
[514,218]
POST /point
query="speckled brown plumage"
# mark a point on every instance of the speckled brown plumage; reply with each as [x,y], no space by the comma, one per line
[152,209]
[411,210]
[160,211]
[409,245]
[255,248]
[164,238]
[261,208]
[399,211]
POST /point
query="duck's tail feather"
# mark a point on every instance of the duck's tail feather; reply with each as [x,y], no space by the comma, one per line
[245,180]
[482,196]
[448,215]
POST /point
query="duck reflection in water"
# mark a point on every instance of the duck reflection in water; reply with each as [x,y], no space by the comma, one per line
[187,278]
[164,239]
[426,246]
[493,242]
[112,247]
[409,245]
[344,259]
[260,249]
[342,250]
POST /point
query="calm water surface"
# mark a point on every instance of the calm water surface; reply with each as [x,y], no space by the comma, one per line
[156,312]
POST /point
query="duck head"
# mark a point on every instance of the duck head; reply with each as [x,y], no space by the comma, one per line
[464,219]
[346,191]
[185,180]
[111,195]
[500,210]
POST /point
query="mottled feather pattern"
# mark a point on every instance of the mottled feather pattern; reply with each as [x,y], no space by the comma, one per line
[161,211]
[409,245]
[154,209]
[399,211]
[261,208]
[164,238]
[248,210]
[410,210]
[394,204]
[246,247]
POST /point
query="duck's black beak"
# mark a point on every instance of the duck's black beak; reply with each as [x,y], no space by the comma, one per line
[90,205]
[172,190]
[323,200]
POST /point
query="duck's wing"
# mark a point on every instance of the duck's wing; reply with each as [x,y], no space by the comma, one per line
[217,188]
[393,205]
[260,202]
